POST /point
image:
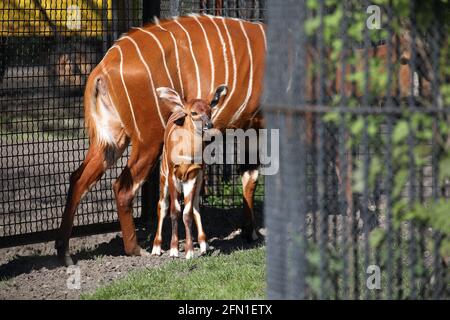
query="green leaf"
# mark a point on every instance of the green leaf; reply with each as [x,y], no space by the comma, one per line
[377,237]
[400,132]
[311,25]
[444,169]
[400,180]
[357,126]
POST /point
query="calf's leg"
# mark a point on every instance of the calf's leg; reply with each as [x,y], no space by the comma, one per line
[163,206]
[189,190]
[198,220]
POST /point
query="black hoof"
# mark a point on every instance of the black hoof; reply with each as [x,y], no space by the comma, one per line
[66,260]
[251,235]
[63,254]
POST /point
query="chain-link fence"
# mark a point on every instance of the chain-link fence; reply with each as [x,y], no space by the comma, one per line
[47,50]
[359,91]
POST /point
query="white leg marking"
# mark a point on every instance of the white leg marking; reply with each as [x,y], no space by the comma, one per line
[253,174]
[250,80]
[156,250]
[188,186]
[174,252]
[150,77]
[187,208]
[197,216]
[176,57]
[177,184]
[162,167]
[189,254]
[163,208]
[164,162]
[126,91]
[177,205]
[211,60]
[197,72]
[162,53]
[203,247]
[233,59]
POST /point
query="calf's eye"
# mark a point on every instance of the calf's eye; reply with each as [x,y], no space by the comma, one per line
[194,113]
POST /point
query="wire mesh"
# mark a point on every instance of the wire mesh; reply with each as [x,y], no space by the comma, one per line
[353,211]
[47,50]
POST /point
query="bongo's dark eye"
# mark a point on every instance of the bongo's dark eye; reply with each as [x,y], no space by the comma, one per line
[194,113]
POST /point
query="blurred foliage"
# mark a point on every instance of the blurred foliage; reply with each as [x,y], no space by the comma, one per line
[414,138]
[228,194]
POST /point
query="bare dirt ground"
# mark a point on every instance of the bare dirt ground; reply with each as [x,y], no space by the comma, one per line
[33,271]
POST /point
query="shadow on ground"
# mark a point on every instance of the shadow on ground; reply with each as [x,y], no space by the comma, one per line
[221,225]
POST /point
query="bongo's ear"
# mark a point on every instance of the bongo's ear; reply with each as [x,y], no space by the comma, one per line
[178,117]
[221,91]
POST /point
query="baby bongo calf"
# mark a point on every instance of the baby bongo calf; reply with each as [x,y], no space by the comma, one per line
[180,169]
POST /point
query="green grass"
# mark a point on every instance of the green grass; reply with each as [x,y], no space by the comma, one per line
[239,275]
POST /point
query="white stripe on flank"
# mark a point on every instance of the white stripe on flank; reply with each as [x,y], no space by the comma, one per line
[224,49]
[176,57]
[106,54]
[197,72]
[233,59]
[126,90]
[211,60]
[150,78]
[263,33]
[162,53]
[250,80]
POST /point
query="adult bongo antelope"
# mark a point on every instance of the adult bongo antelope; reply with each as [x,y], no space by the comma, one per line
[192,55]
[180,170]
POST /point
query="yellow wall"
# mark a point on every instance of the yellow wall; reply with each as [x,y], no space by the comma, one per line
[23,18]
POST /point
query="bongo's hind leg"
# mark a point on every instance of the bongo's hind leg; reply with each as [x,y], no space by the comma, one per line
[141,162]
[97,160]
[249,183]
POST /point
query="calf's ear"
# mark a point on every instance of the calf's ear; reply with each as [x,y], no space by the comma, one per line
[178,117]
[170,97]
[221,91]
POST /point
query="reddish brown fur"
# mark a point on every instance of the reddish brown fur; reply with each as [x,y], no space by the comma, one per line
[140,122]
[175,174]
